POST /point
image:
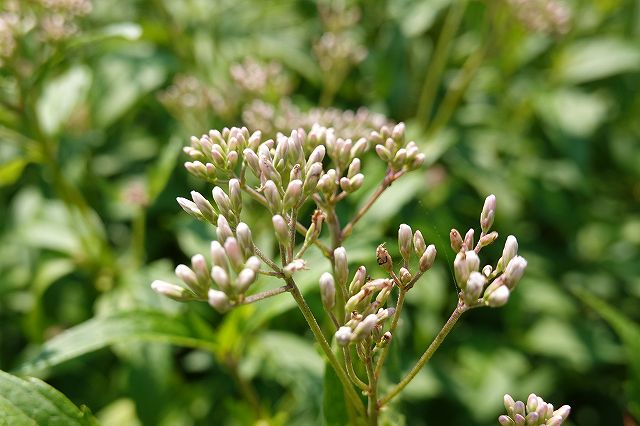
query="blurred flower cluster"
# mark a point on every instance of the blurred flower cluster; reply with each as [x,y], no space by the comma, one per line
[28,23]
[544,16]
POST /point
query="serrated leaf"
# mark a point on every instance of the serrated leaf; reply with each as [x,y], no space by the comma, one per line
[31,401]
[183,330]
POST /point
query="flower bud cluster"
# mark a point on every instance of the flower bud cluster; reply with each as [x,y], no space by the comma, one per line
[360,328]
[534,412]
[233,270]
[391,147]
[259,79]
[284,116]
[224,211]
[485,285]
[544,16]
[409,243]
[215,154]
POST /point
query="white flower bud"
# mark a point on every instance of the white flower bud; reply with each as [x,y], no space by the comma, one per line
[328,291]
[532,402]
[190,207]
[245,240]
[468,239]
[281,228]
[475,284]
[204,206]
[316,156]
[358,280]
[219,301]
[251,159]
[223,230]
[506,421]
[199,266]
[341,266]
[419,245]
[488,213]
[499,297]
[405,241]
[383,153]
[563,412]
[245,278]
[514,271]
[234,253]
[272,195]
[343,336]
[171,291]
[295,266]
[365,327]
[293,195]
[235,196]
[218,255]
[509,252]
[427,258]
[509,403]
[456,240]
[253,263]
[189,277]
[222,201]
[354,168]
[311,179]
[221,278]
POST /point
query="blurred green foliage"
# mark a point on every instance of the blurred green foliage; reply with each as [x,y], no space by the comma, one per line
[91,127]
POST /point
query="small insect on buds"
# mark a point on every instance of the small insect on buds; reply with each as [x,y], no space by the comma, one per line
[384,258]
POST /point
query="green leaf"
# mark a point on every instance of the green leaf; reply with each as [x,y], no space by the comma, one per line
[32,402]
[597,58]
[61,96]
[629,333]
[11,171]
[183,330]
[160,172]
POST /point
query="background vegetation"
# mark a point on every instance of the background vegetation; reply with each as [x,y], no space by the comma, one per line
[546,117]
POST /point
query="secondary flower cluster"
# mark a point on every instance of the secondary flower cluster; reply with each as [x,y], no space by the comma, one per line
[488,285]
[534,412]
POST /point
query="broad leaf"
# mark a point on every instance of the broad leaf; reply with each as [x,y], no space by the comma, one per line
[184,330]
[31,401]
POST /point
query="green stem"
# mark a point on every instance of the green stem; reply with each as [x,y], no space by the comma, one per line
[426,356]
[439,61]
[349,391]
[394,324]
[265,294]
[350,371]
[372,394]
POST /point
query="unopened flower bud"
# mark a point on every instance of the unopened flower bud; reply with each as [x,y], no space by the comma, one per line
[171,291]
[281,228]
[234,253]
[418,244]
[519,420]
[219,301]
[468,240]
[487,270]
[488,213]
[221,278]
[532,418]
[404,241]
[499,297]
[405,276]
[245,240]
[532,402]
[341,266]
[343,336]
[327,291]
[555,421]
[293,195]
[235,196]
[199,266]
[358,280]
[487,239]
[246,277]
[253,263]
[191,208]
[383,153]
[509,252]
[354,168]
[357,299]
[223,230]
[475,284]
[222,201]
[365,327]
[509,403]
[272,195]
[427,258]
[187,276]
[384,258]
[456,240]
[514,271]
[218,255]
[385,339]
[506,421]
[563,412]
[204,207]
[519,408]
[269,171]
[251,159]
[317,155]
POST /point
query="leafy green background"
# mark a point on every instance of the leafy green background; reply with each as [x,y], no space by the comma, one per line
[90,167]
